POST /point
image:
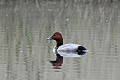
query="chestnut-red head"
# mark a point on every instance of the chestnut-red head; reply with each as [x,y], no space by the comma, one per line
[57,37]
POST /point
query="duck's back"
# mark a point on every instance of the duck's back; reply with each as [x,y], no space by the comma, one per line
[68,47]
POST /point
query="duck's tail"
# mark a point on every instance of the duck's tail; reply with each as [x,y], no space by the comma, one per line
[82,50]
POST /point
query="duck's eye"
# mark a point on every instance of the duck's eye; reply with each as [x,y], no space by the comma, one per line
[54,35]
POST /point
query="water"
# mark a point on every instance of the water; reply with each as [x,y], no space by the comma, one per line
[25,52]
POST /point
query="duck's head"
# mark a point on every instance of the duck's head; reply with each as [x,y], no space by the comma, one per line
[57,37]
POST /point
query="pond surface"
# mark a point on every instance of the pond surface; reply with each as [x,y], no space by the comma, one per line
[25,51]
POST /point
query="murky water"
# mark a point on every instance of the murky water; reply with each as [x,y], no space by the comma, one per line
[25,52]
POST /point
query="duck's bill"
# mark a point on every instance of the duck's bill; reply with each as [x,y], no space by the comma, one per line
[50,38]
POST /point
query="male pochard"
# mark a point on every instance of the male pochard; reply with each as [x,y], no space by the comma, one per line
[66,50]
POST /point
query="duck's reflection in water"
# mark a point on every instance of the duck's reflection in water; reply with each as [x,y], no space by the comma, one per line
[59,57]
[58,62]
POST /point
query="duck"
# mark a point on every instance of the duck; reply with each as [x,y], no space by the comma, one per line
[66,50]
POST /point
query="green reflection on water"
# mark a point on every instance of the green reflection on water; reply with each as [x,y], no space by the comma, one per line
[28,40]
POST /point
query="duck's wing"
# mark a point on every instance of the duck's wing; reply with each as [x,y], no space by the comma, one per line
[68,47]
[68,50]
